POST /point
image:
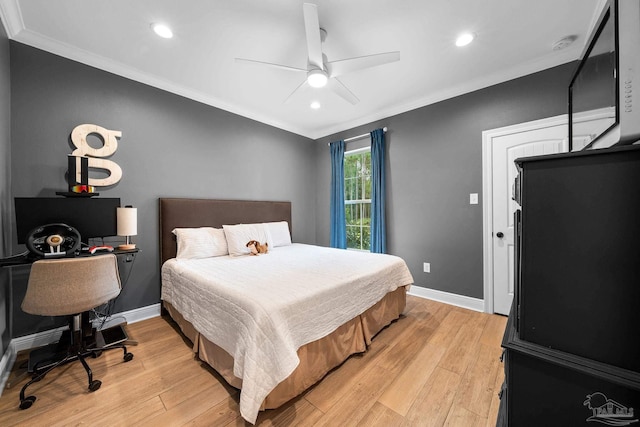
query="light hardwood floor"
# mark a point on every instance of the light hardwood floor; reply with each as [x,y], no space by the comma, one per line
[438,365]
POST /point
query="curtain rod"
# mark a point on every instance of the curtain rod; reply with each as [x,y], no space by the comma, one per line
[353,138]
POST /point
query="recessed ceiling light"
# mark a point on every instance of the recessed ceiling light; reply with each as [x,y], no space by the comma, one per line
[162,30]
[465,39]
[564,42]
[315,105]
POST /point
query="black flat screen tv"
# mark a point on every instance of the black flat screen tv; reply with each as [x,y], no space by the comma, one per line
[92,217]
[604,101]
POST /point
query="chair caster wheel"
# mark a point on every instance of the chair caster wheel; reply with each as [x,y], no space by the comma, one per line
[95,384]
[128,357]
[27,402]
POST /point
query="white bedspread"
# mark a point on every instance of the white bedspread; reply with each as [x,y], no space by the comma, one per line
[261,309]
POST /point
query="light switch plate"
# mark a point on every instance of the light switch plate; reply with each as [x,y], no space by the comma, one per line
[427,267]
[473,198]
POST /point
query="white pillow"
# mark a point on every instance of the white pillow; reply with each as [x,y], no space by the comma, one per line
[203,242]
[239,235]
[279,232]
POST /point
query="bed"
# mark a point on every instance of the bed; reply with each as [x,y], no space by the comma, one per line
[271,325]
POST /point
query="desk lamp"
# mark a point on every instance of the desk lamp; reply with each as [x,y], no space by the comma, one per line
[127,218]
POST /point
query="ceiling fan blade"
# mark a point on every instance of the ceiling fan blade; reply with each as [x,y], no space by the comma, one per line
[312,29]
[341,90]
[344,66]
[270,64]
[301,87]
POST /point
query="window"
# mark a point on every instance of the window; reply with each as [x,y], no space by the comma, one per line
[357,198]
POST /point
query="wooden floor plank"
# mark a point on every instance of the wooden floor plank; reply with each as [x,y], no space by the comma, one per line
[381,416]
[357,402]
[434,401]
[460,417]
[126,415]
[188,409]
[493,331]
[402,392]
[225,413]
[192,386]
[462,349]
[401,353]
[477,385]
[437,365]
[338,382]
[298,413]
[449,323]
[495,397]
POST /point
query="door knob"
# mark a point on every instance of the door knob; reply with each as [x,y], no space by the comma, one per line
[500,234]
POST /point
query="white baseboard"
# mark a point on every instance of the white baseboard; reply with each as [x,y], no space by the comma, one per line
[47,337]
[448,298]
[37,340]
[6,364]
[142,313]
[132,316]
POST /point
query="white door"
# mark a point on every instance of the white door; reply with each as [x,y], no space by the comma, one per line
[501,147]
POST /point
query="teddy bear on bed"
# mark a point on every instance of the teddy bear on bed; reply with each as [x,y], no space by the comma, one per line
[256,248]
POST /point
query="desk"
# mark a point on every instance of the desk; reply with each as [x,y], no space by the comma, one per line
[21,323]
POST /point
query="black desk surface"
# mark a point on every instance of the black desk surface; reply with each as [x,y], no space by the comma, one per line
[28,258]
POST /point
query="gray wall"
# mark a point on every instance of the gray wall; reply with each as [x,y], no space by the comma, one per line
[5,183]
[434,162]
[171,147]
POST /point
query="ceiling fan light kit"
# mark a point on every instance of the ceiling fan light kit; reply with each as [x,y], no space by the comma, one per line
[317,78]
[321,72]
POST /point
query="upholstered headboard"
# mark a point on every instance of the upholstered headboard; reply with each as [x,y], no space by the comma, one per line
[184,212]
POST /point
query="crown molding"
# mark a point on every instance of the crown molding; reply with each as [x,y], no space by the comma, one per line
[479,83]
[11,17]
[73,53]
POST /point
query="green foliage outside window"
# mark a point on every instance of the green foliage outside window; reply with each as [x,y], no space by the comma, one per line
[357,185]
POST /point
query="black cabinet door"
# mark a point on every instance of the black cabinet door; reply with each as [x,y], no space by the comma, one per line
[579,288]
[545,393]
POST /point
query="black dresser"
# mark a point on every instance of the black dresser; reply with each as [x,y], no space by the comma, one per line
[572,343]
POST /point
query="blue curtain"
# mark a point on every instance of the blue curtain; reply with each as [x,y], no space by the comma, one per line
[338,221]
[378,223]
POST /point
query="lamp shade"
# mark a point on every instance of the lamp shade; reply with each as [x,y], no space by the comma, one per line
[127,221]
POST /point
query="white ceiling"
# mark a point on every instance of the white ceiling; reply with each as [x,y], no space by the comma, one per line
[514,38]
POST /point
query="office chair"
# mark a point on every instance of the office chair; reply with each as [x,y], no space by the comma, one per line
[71,287]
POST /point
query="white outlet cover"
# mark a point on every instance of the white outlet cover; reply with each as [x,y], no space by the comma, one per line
[427,267]
[473,198]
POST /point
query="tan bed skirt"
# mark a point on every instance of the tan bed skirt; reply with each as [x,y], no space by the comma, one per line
[316,358]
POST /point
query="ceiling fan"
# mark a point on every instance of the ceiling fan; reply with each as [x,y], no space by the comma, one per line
[321,72]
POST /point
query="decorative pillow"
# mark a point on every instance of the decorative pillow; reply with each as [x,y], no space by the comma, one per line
[279,232]
[238,236]
[203,242]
